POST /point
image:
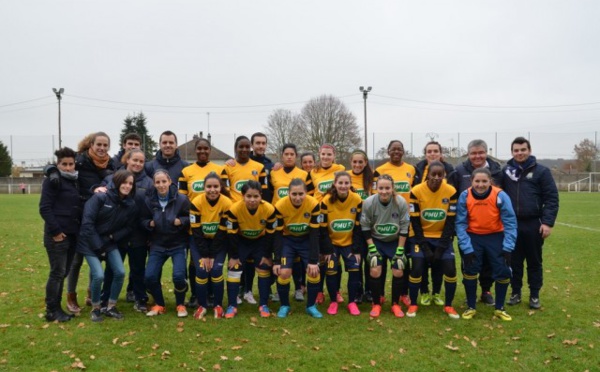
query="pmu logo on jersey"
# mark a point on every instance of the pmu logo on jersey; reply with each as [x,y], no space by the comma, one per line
[210,228]
[324,186]
[402,186]
[387,229]
[433,215]
[362,193]
[283,192]
[251,233]
[342,225]
[240,184]
[298,228]
[198,186]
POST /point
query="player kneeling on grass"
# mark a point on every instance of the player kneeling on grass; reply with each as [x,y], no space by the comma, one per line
[297,235]
[432,215]
[486,227]
[209,229]
[166,215]
[384,222]
[250,228]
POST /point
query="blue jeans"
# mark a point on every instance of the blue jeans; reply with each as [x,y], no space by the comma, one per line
[156,260]
[113,259]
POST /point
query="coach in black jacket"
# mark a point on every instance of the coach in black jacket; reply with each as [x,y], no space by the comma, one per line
[534,197]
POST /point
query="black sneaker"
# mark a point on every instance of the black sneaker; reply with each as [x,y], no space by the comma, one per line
[192,303]
[57,316]
[112,312]
[96,315]
[140,306]
[514,299]
[534,303]
[130,297]
[487,298]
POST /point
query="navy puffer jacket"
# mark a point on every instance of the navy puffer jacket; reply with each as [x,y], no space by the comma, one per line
[61,207]
[107,221]
[164,234]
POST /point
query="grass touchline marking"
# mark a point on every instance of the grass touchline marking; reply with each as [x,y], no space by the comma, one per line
[578,227]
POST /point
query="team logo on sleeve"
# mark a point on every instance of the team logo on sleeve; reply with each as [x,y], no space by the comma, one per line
[411,208]
[192,218]
[321,218]
[229,225]
[452,208]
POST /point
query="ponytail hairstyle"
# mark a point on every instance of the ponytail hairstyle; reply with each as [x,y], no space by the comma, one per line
[367,172]
[297,182]
[224,190]
[129,154]
[333,191]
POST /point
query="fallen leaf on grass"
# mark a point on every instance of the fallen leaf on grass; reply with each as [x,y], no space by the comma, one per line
[218,340]
[515,338]
[238,358]
[236,347]
[4,325]
[80,325]
[125,343]
[78,365]
[474,343]
[289,370]
[223,357]
[517,351]
[570,342]
[179,329]
[217,367]
[46,326]
[155,346]
[451,347]
[596,324]
[316,348]
[373,363]
[92,357]
[551,335]
[401,351]
[115,340]
[344,368]
[356,366]
[530,312]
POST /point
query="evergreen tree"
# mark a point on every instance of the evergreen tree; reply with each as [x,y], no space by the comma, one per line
[137,124]
[5,161]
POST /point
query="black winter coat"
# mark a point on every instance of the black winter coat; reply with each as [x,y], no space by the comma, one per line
[173,166]
[90,176]
[107,221]
[164,234]
[61,207]
[534,194]
[461,178]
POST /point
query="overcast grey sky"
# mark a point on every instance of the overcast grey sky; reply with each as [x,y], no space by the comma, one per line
[472,58]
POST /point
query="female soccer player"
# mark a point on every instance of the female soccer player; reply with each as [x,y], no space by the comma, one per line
[60,207]
[385,222]
[244,170]
[297,235]
[433,210]
[341,208]
[108,220]
[323,174]
[486,227]
[250,228]
[209,230]
[403,175]
[166,216]
[307,161]
[278,184]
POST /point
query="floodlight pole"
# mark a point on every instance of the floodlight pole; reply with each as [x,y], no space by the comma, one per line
[365,93]
[59,93]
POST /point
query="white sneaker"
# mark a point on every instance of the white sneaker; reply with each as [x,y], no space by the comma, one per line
[239,300]
[181,311]
[249,297]
[298,295]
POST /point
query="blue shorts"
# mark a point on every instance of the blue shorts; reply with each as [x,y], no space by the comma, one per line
[435,244]
[253,249]
[294,246]
[387,250]
[345,253]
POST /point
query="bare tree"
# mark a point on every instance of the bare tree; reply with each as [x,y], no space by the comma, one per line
[282,127]
[586,153]
[326,119]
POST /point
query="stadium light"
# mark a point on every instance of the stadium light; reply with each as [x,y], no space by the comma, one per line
[365,93]
[59,93]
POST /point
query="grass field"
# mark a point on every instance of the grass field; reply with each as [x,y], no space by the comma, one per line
[563,336]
